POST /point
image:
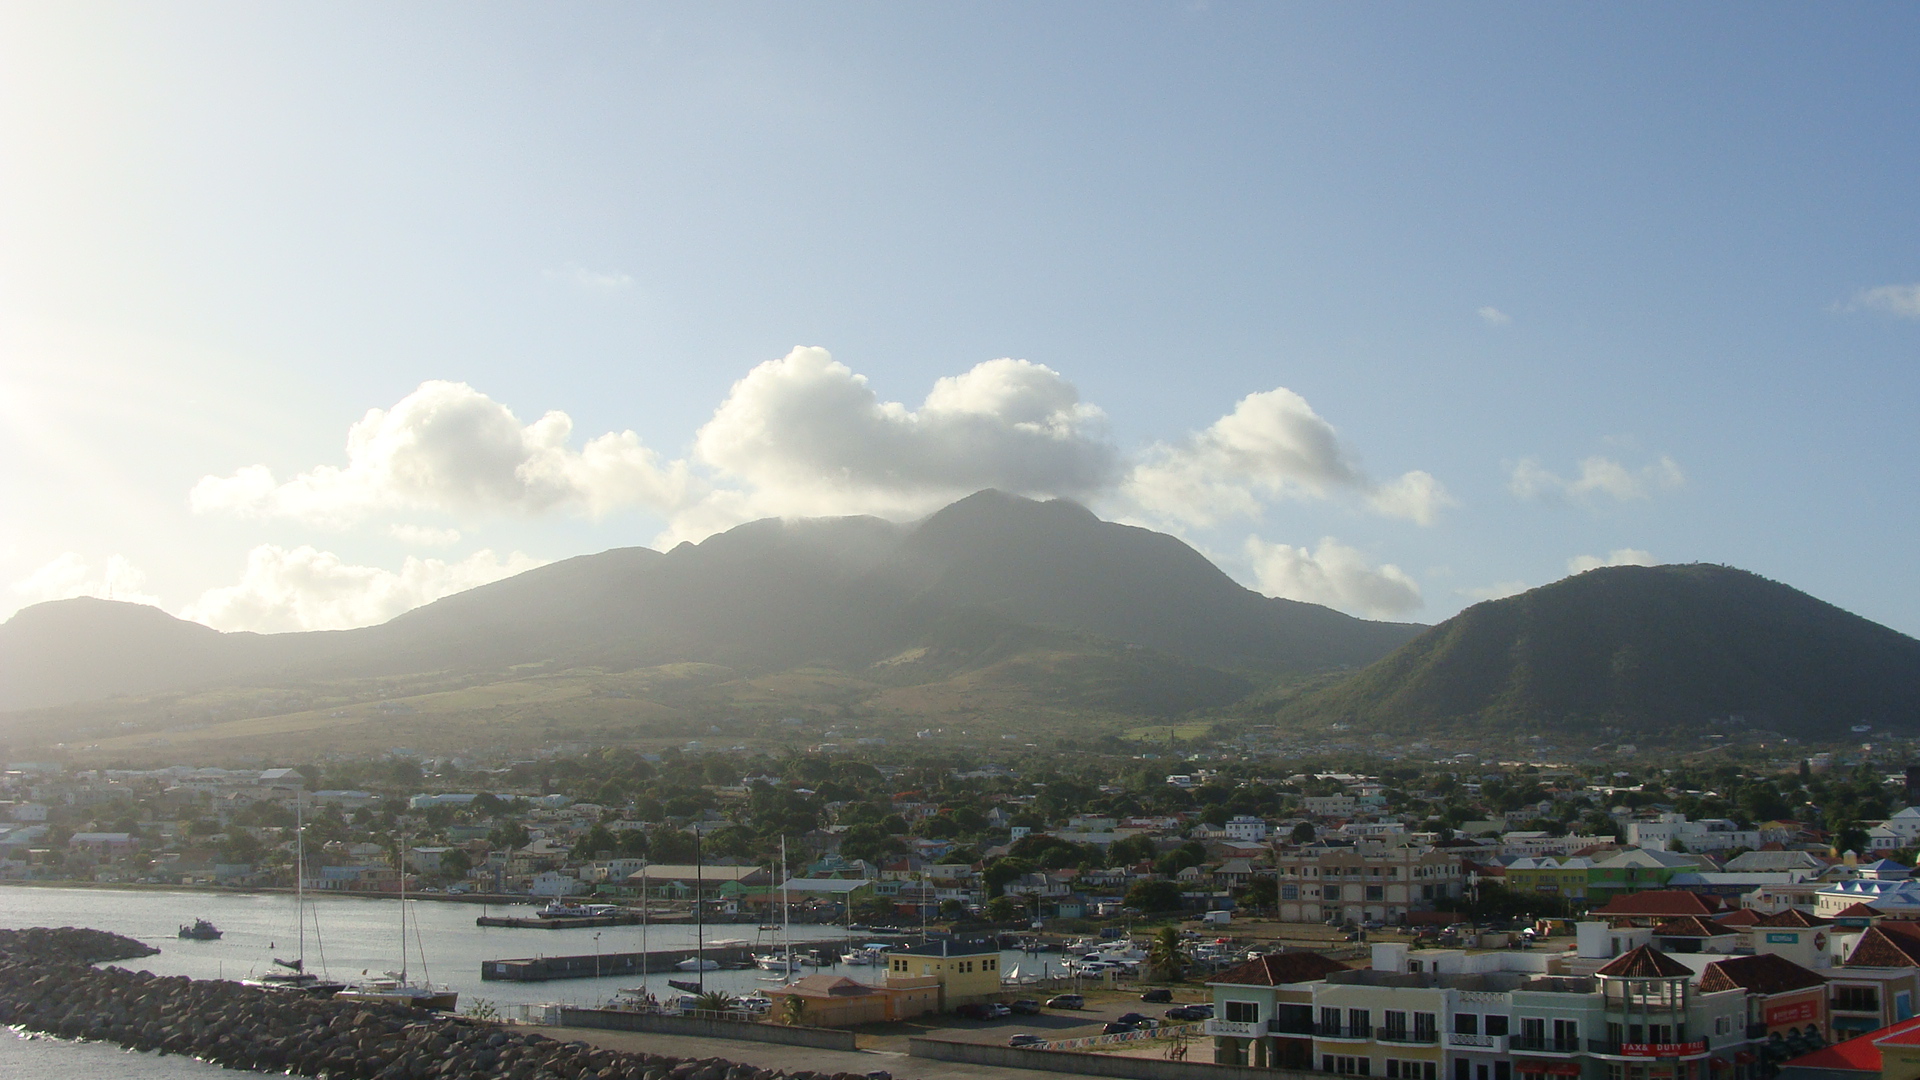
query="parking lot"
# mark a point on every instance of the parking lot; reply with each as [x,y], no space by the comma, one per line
[1102,1007]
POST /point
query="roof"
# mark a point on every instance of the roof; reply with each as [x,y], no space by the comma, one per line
[1645,962]
[1692,926]
[1858,911]
[715,874]
[825,986]
[1762,973]
[1794,918]
[1278,969]
[1659,902]
[1740,919]
[1858,1054]
[948,947]
[1882,948]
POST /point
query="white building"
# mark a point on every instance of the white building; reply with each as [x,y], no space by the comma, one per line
[1669,831]
[1246,827]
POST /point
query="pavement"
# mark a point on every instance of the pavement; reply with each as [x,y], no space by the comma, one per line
[791,1058]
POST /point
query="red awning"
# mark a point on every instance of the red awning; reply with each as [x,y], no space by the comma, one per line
[1564,1068]
[1530,1065]
[1745,1058]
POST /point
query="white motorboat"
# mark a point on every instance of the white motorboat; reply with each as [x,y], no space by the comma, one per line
[785,965]
[697,963]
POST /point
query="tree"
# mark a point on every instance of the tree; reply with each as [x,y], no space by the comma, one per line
[714,1001]
[1262,893]
[1002,909]
[455,863]
[952,909]
[1131,850]
[793,1010]
[1154,896]
[1164,955]
[1304,833]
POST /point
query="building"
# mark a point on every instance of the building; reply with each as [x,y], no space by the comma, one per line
[1565,878]
[837,1001]
[1246,827]
[1365,882]
[1263,1010]
[958,972]
[1673,832]
[1785,1001]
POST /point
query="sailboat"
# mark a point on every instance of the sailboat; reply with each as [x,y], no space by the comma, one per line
[292,975]
[781,962]
[395,988]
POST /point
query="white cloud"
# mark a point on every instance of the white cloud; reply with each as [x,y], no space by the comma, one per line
[70,575]
[1902,301]
[305,589]
[1499,590]
[1580,564]
[1272,445]
[1335,575]
[448,447]
[1493,316]
[599,281]
[806,435]
[424,535]
[1598,476]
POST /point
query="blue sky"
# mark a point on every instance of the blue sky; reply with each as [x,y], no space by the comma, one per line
[1388,307]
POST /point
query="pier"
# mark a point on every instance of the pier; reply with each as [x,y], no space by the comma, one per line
[653,962]
[574,922]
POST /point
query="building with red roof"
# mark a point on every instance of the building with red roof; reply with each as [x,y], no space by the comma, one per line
[1657,905]
[1863,1057]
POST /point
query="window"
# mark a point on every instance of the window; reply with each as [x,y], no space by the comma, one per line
[1330,892]
[1329,1021]
[1359,1022]
[1243,1012]
[1289,892]
[1393,1025]
[1424,1027]
[1566,1033]
[1410,1070]
[1496,1024]
[1376,892]
[1502,1070]
[1346,1066]
[1466,1024]
[1856,998]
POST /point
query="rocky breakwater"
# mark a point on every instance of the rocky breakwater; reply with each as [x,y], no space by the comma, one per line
[48,984]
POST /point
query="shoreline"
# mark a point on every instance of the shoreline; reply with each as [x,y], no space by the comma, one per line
[493,899]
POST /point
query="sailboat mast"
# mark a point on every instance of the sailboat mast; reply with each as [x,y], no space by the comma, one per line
[403,906]
[699,916]
[300,870]
[786,910]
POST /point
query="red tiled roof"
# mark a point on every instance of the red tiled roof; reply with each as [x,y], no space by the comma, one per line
[1691,926]
[1740,919]
[1793,918]
[1858,910]
[1645,962]
[1879,948]
[1660,902]
[1276,969]
[1762,973]
[1858,1054]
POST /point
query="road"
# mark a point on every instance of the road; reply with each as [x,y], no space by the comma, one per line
[791,1058]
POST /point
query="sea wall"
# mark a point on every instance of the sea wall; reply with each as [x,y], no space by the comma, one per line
[1068,1061]
[709,1028]
[48,985]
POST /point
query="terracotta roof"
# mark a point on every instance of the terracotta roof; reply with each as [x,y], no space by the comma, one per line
[1276,969]
[1762,973]
[1645,962]
[1793,918]
[1691,926]
[1660,902]
[1878,948]
[1740,919]
[823,986]
[1858,1054]
[1858,911]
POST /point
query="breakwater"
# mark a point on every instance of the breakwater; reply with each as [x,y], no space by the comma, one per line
[47,984]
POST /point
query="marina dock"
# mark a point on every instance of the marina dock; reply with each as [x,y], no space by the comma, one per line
[574,922]
[654,962]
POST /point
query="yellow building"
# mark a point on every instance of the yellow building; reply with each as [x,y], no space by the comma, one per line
[963,971]
[1547,876]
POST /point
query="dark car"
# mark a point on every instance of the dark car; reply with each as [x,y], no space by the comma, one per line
[1183,1012]
[973,1010]
[1066,1001]
[1159,995]
[1116,1028]
[1135,1020]
[1026,1040]
[1024,1007]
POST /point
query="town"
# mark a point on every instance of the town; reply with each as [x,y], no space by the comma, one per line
[1445,921]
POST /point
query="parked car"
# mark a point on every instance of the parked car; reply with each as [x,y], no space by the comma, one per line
[1189,1012]
[1137,1020]
[1066,1001]
[1159,995]
[972,1010]
[1024,1039]
[1116,1028]
[996,1011]
[1024,1007]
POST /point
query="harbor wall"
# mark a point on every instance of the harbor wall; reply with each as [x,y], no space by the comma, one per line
[653,962]
[708,1028]
[1067,1061]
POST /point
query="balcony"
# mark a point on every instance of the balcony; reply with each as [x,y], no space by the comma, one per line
[1543,1045]
[1348,1031]
[1237,1029]
[1492,1044]
[1278,1026]
[1416,1037]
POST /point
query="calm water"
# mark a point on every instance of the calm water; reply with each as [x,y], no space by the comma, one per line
[355,935]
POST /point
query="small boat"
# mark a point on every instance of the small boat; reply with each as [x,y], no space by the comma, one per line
[785,965]
[201,930]
[295,979]
[560,909]
[695,963]
[395,989]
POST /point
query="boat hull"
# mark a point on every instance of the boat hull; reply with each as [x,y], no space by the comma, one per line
[433,1000]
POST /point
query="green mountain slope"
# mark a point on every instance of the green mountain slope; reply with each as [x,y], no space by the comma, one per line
[1642,648]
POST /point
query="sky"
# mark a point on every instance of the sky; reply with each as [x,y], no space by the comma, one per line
[312,313]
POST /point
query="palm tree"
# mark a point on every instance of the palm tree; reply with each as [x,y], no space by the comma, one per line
[1164,954]
[714,1001]
[793,1010]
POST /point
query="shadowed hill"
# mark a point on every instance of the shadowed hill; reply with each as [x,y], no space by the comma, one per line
[972,586]
[1639,647]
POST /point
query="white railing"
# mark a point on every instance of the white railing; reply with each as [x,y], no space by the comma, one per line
[1237,1029]
[1137,1035]
[1495,1043]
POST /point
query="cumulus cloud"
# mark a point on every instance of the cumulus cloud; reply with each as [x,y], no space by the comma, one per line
[1335,575]
[805,434]
[448,447]
[597,281]
[1493,316]
[1580,564]
[424,535]
[70,575]
[1599,476]
[1272,445]
[285,589]
[1901,301]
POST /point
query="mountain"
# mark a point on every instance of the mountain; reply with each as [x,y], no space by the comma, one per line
[985,584]
[1638,647]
